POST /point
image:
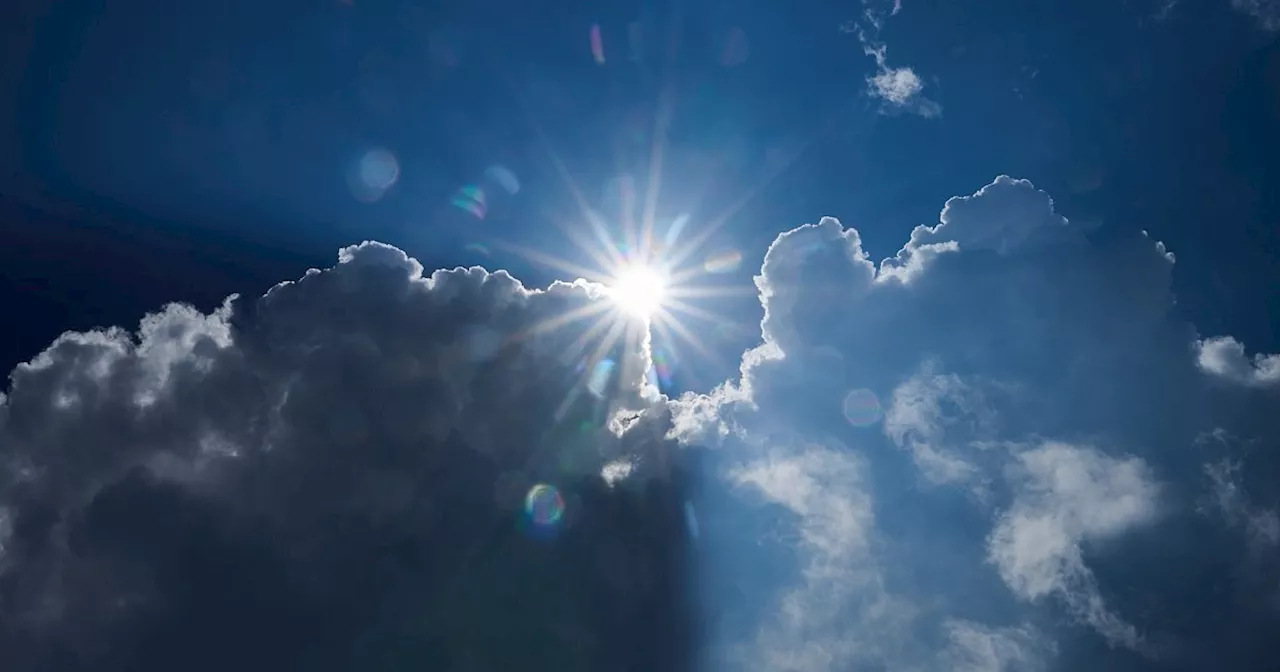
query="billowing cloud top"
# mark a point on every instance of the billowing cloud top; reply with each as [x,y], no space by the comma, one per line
[1000,449]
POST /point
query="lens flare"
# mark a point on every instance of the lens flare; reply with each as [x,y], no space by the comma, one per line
[598,383]
[544,505]
[862,408]
[662,375]
[723,262]
[504,177]
[472,199]
[674,231]
[379,168]
[373,175]
[597,44]
[691,519]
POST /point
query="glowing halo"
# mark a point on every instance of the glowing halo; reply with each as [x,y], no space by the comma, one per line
[639,290]
[652,272]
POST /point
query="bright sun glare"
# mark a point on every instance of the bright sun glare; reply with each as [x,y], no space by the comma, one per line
[649,269]
[639,290]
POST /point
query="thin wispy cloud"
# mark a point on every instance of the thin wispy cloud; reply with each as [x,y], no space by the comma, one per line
[899,87]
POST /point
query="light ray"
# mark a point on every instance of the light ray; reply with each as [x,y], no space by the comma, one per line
[605,254]
[565,319]
[691,310]
[657,149]
[676,291]
[693,340]
[587,336]
[796,152]
[555,262]
[584,210]
[662,119]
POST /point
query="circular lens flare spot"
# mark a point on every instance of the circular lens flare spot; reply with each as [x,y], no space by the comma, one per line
[862,408]
[639,290]
[544,505]
[379,169]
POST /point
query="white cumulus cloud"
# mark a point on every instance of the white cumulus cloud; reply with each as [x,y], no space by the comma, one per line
[1225,357]
[1015,359]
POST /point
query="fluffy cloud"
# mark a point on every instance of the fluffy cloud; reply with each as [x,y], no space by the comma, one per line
[1029,488]
[330,477]
[898,86]
[1224,356]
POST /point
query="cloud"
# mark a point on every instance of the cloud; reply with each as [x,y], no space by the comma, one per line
[898,86]
[983,452]
[1025,441]
[840,589]
[1267,12]
[974,648]
[331,477]
[1224,356]
[925,408]
[1066,496]
[1227,498]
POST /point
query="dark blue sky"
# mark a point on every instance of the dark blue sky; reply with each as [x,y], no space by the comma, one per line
[219,139]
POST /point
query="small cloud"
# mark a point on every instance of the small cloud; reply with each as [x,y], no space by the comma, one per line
[898,86]
[1225,357]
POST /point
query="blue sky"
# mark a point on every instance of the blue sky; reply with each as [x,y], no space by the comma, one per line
[970,368]
[1096,103]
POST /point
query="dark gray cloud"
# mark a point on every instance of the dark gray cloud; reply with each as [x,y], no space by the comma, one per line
[330,477]
[1033,488]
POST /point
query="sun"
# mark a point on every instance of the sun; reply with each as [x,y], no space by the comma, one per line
[639,290]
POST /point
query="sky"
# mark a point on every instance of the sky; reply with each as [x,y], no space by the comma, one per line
[320,355]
